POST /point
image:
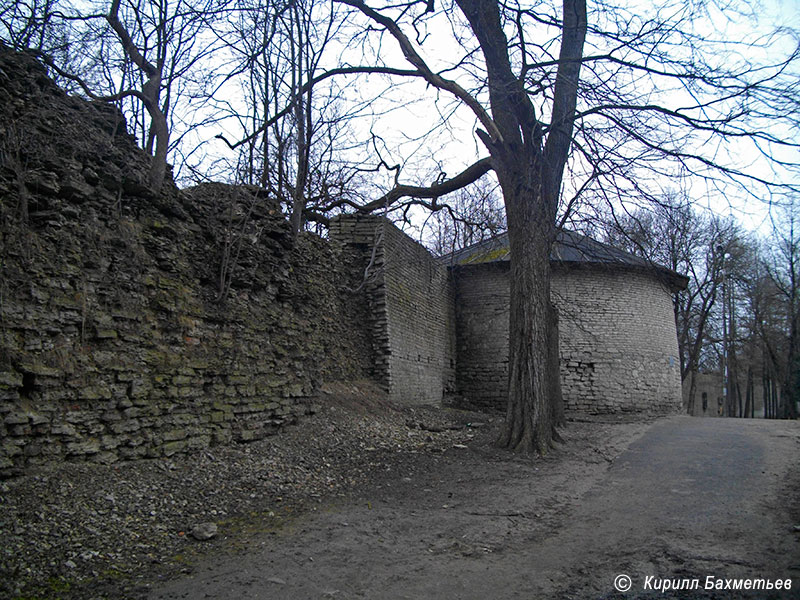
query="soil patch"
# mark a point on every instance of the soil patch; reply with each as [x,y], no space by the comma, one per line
[111,531]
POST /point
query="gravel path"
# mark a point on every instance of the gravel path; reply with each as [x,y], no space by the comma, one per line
[105,531]
[690,499]
[117,531]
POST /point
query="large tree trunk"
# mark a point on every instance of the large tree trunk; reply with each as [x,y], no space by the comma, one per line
[535,407]
[530,170]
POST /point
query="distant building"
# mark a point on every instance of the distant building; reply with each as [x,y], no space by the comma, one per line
[709,394]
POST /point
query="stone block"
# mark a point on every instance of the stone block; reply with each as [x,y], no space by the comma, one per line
[40,370]
[95,392]
[39,419]
[111,416]
[63,429]
[106,334]
[84,447]
[8,394]
[222,436]
[17,418]
[33,450]
[125,426]
[174,447]
[131,412]
[12,448]
[175,434]
[190,392]
[109,442]
[10,379]
[198,441]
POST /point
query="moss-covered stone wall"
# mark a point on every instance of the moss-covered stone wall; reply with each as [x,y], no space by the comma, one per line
[141,324]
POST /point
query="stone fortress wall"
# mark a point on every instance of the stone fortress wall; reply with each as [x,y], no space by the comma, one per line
[119,349]
[135,324]
[138,324]
[447,337]
[412,302]
[617,339]
[482,312]
[618,343]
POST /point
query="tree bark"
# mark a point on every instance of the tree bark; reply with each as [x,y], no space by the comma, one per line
[532,405]
[530,173]
[528,156]
[301,107]
[151,91]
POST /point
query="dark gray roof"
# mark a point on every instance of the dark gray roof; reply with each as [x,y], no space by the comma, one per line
[570,247]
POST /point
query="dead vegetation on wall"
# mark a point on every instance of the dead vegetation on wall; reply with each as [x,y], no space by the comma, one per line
[136,324]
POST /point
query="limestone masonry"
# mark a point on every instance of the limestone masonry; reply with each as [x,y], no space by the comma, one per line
[138,324]
[443,323]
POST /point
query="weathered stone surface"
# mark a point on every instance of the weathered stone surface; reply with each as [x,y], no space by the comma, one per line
[87,447]
[120,339]
[116,342]
[16,418]
[411,299]
[204,531]
[618,344]
[434,335]
[10,379]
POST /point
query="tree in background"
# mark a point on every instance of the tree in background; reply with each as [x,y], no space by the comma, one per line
[293,126]
[471,215]
[676,235]
[618,97]
[143,55]
[648,102]
[738,314]
[769,318]
[779,322]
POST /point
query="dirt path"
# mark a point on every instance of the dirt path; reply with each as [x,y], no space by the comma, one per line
[690,498]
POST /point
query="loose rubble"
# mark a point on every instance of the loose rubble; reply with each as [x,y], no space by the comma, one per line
[105,531]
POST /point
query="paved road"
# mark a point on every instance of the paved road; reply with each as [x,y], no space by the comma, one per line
[693,498]
[690,499]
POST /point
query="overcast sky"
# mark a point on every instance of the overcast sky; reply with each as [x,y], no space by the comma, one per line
[409,114]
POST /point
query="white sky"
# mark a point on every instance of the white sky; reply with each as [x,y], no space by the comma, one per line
[416,107]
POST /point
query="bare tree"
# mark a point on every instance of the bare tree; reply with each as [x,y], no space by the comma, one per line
[136,53]
[674,234]
[783,267]
[528,158]
[619,98]
[29,24]
[770,315]
[471,215]
[647,94]
[293,125]
[150,94]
